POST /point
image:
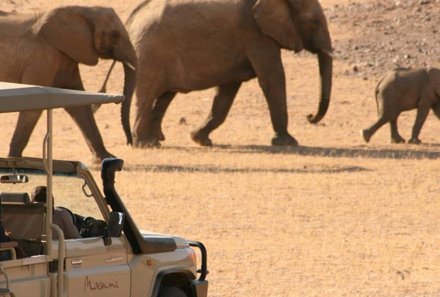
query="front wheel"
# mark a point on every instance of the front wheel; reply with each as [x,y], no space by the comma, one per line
[171,292]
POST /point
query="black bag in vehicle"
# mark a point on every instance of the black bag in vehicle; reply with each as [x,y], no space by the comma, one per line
[91,227]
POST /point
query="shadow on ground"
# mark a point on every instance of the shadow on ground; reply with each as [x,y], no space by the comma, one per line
[427,151]
[354,152]
[306,169]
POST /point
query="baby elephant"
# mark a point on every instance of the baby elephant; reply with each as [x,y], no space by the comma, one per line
[405,89]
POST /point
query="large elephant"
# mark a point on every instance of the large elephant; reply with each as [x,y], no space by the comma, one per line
[186,45]
[45,49]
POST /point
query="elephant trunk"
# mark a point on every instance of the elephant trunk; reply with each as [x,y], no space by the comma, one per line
[126,54]
[325,70]
[129,85]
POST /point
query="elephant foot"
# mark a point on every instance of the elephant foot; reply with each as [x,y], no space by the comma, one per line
[366,135]
[415,141]
[397,139]
[98,158]
[158,134]
[201,139]
[151,142]
[281,140]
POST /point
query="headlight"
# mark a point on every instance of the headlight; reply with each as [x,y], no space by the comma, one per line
[192,255]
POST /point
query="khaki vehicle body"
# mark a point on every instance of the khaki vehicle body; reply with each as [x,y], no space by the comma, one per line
[111,258]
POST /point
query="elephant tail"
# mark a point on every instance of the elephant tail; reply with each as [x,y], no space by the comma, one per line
[376,93]
[134,12]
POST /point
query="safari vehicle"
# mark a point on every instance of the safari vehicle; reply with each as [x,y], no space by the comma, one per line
[112,258]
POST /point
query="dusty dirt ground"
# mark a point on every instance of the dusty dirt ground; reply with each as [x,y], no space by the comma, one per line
[333,217]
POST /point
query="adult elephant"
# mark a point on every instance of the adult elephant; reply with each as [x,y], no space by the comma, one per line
[45,49]
[186,45]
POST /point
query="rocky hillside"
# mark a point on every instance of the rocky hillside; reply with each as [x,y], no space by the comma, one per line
[387,34]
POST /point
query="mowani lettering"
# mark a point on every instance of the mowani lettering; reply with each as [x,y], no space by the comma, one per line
[99,285]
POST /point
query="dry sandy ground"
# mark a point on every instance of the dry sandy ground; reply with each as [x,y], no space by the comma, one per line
[333,217]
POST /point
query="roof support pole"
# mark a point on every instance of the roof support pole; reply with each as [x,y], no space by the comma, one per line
[47,159]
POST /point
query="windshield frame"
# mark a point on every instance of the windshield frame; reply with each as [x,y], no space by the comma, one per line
[60,168]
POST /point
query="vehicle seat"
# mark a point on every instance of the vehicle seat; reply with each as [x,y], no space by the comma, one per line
[26,222]
[15,197]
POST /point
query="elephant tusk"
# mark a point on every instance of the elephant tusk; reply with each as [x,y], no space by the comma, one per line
[328,53]
[129,65]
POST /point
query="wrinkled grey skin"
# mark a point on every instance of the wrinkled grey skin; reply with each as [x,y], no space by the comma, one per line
[45,49]
[405,89]
[187,45]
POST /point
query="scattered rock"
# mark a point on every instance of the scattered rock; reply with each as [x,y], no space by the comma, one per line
[386,34]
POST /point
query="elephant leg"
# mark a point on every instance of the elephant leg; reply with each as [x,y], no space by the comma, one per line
[395,136]
[143,135]
[27,120]
[422,114]
[25,125]
[427,99]
[368,133]
[83,117]
[220,108]
[159,109]
[148,90]
[266,62]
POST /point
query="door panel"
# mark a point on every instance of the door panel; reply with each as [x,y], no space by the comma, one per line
[93,269]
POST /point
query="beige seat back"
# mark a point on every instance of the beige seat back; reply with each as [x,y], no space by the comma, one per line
[25,221]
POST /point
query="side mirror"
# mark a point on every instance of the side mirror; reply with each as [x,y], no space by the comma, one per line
[114,226]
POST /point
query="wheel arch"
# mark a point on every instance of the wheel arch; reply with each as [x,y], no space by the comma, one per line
[180,278]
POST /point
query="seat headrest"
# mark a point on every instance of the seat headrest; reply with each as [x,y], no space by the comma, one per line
[15,197]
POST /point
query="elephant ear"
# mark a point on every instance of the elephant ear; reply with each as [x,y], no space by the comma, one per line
[274,19]
[69,32]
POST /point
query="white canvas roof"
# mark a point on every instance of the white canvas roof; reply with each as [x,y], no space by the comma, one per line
[19,97]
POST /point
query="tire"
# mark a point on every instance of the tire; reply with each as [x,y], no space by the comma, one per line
[171,292]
